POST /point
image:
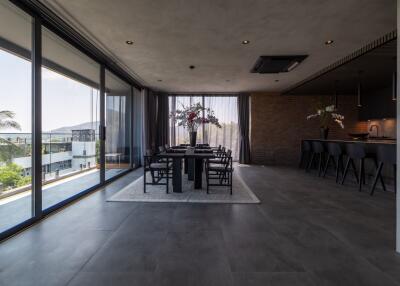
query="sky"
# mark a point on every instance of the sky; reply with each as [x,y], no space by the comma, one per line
[65,102]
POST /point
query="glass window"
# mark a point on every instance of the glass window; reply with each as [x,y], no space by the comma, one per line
[225,109]
[70,120]
[178,134]
[15,116]
[118,125]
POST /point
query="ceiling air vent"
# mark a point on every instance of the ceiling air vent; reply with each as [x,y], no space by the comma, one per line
[277,64]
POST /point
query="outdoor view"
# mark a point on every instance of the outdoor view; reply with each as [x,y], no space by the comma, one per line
[15,117]
[70,120]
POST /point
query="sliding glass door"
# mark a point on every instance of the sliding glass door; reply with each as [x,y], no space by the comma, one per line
[52,108]
[15,116]
[70,120]
[118,120]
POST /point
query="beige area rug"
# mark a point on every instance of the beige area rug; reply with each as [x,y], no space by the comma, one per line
[242,194]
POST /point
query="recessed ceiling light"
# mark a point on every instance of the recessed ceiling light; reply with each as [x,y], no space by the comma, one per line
[276,80]
[245,42]
[160,80]
[129,42]
[228,80]
[191,67]
[329,42]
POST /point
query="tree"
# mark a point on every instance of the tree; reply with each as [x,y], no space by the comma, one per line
[7,120]
[7,148]
[10,175]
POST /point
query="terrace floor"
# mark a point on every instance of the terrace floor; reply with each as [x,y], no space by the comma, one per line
[17,208]
[306,231]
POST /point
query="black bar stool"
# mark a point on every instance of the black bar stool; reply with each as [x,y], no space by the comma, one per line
[386,154]
[335,153]
[305,150]
[317,150]
[357,152]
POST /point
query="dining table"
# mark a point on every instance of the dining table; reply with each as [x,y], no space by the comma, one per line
[194,158]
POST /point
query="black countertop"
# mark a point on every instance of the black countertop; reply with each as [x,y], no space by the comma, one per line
[366,141]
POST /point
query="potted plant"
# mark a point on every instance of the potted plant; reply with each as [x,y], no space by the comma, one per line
[191,117]
[326,115]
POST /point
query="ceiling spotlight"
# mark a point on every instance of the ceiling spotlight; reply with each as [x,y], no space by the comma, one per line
[245,42]
[160,80]
[329,42]
[277,80]
[191,67]
[228,80]
[129,42]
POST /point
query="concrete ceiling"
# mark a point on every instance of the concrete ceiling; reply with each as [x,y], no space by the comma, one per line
[169,36]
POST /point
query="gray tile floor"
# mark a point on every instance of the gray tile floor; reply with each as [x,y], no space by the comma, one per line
[306,231]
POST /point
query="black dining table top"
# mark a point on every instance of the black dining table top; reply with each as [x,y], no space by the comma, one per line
[187,153]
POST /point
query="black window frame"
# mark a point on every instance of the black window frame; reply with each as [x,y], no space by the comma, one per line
[44,17]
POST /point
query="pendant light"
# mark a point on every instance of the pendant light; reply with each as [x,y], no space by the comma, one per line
[359,103]
[335,95]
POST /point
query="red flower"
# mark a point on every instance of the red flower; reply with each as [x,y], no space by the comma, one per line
[191,116]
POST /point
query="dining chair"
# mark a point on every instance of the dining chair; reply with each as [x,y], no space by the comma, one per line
[161,171]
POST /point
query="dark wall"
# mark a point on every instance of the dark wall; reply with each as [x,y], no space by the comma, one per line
[377,104]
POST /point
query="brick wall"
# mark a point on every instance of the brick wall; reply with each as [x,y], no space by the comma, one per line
[278,123]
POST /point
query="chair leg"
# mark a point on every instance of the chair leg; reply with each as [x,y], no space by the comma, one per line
[337,169]
[320,165]
[354,170]
[311,162]
[377,174]
[346,169]
[326,165]
[361,176]
[231,183]
[167,179]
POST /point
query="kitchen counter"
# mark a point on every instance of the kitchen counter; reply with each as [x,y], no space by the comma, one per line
[359,141]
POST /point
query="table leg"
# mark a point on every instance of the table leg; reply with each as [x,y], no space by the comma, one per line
[177,175]
[190,169]
[198,172]
[186,165]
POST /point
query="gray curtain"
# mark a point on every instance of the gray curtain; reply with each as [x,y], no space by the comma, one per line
[150,122]
[244,128]
[162,120]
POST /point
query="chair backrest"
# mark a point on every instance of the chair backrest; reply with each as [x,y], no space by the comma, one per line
[305,146]
[386,154]
[219,148]
[148,158]
[166,146]
[334,149]
[317,147]
[161,148]
[355,151]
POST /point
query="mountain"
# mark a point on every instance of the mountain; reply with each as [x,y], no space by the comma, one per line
[86,125]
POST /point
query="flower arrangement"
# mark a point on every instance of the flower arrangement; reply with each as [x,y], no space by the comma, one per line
[191,117]
[325,115]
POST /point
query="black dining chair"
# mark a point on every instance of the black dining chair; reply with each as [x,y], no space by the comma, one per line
[355,152]
[161,171]
[305,150]
[219,174]
[385,154]
[318,150]
[335,154]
